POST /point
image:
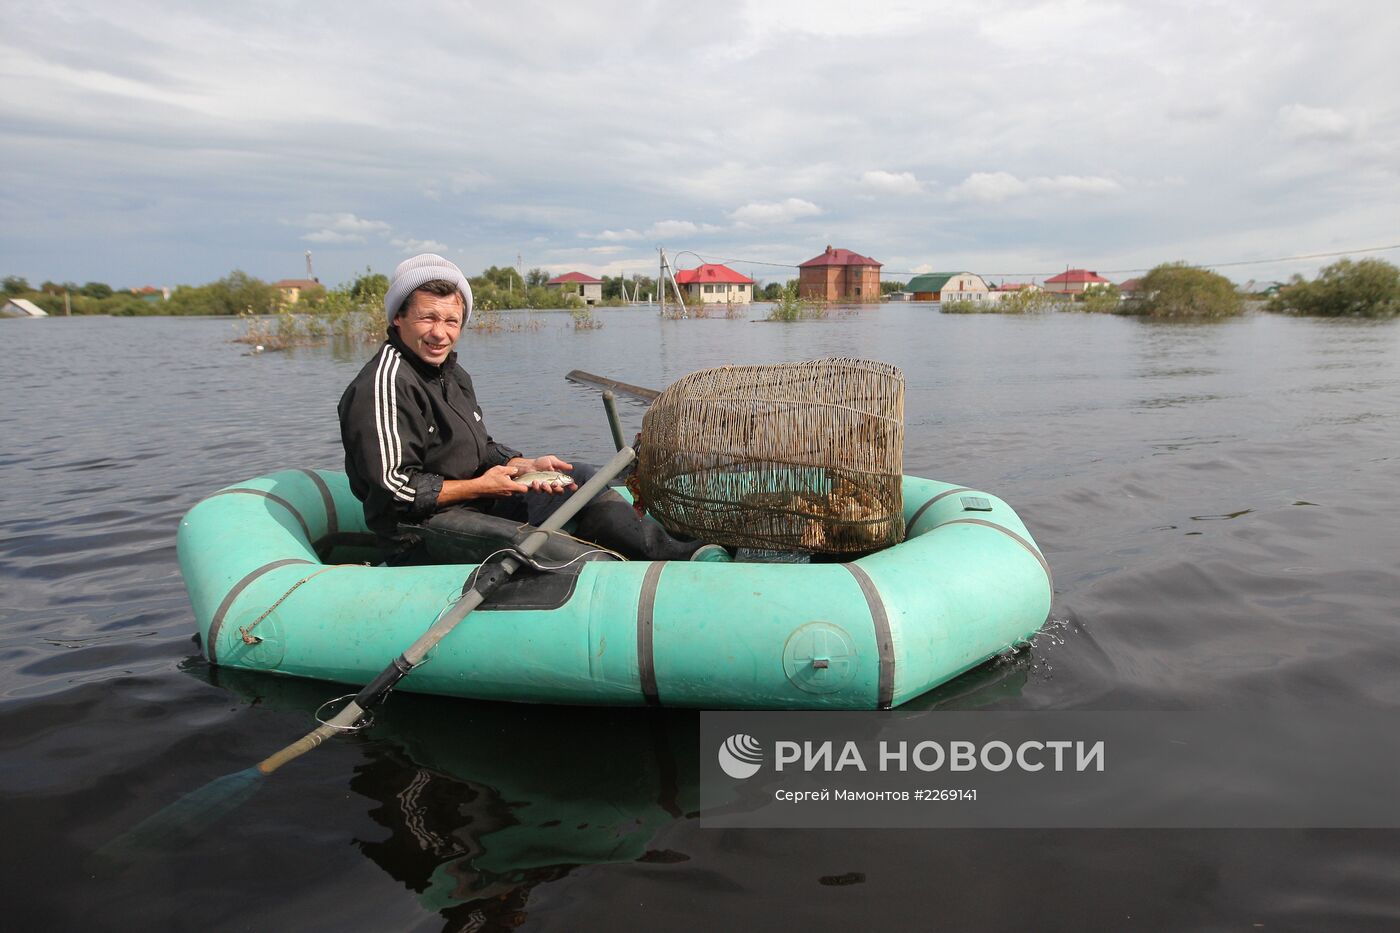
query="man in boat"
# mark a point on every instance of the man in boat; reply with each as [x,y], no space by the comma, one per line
[431,477]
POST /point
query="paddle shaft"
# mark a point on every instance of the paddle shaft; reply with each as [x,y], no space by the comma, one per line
[614,425]
[486,581]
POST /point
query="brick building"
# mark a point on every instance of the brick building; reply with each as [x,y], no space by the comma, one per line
[839,275]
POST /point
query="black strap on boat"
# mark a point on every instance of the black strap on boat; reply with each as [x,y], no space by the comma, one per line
[1015,537]
[646,610]
[212,642]
[305,528]
[328,500]
[919,512]
[884,641]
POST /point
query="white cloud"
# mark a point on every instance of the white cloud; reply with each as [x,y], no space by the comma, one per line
[1296,122]
[1195,111]
[410,245]
[341,229]
[891,182]
[989,187]
[332,237]
[347,224]
[665,228]
[1076,184]
[832,19]
[994,187]
[774,212]
[612,236]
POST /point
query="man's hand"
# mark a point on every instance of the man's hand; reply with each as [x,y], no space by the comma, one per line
[545,463]
[499,482]
[496,483]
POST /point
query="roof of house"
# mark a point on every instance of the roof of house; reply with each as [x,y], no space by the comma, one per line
[26,307]
[296,283]
[1132,285]
[1013,286]
[712,272]
[1075,277]
[839,257]
[934,281]
[929,282]
[574,277]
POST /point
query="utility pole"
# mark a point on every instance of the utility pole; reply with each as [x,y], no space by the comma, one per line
[665,276]
[308,266]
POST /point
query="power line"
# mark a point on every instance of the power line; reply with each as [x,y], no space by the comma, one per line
[1198,265]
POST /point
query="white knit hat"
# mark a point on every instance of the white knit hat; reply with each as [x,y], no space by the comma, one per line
[420,270]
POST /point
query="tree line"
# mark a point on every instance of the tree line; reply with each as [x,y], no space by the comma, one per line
[1364,288]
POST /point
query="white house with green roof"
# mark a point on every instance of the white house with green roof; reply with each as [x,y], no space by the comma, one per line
[949,286]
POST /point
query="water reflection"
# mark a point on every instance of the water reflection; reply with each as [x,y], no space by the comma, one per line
[481,802]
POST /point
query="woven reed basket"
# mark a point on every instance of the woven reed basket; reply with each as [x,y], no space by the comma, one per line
[791,456]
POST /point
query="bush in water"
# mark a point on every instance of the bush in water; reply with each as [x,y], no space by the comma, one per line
[1176,290]
[1369,288]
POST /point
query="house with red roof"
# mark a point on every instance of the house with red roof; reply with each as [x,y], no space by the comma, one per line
[713,282]
[1075,282]
[839,275]
[1007,289]
[576,283]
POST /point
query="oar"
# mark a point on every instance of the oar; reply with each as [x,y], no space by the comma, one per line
[199,809]
[603,382]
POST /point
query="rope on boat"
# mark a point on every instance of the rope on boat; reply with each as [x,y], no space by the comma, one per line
[247,630]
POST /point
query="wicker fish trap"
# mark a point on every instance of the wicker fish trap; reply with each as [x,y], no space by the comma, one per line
[792,456]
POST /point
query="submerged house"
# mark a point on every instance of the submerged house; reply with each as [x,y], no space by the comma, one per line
[713,282]
[839,275]
[576,283]
[22,307]
[1075,282]
[948,286]
[1007,289]
[289,290]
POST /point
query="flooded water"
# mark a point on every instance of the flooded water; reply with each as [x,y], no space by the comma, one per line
[1218,503]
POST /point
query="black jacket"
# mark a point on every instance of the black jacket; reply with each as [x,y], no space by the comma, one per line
[406,426]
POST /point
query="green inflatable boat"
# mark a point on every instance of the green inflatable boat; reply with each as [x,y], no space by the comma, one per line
[279,576]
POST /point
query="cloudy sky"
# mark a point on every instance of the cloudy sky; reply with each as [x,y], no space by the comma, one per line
[170,142]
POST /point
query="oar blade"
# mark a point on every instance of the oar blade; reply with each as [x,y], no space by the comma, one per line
[168,829]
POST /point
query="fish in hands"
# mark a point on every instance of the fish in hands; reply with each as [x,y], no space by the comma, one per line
[552,478]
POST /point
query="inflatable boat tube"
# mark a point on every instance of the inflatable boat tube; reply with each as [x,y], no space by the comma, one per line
[279,573]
